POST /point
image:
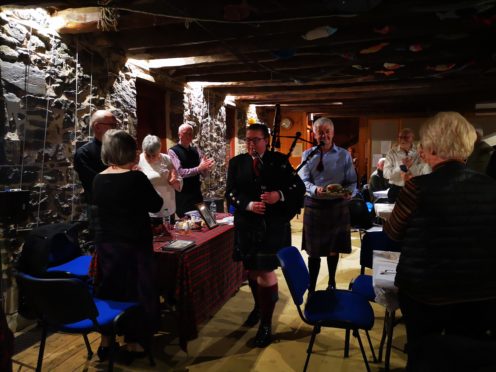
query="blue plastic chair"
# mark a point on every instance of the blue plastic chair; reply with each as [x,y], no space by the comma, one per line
[331,308]
[362,284]
[66,305]
[77,267]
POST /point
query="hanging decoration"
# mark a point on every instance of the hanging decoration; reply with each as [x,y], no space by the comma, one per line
[359,67]
[385,73]
[441,68]
[383,30]
[320,33]
[374,49]
[392,66]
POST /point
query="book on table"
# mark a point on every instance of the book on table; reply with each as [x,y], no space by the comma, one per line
[178,245]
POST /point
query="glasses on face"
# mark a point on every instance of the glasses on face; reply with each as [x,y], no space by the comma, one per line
[407,137]
[254,140]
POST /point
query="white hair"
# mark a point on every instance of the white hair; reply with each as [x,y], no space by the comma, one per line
[151,144]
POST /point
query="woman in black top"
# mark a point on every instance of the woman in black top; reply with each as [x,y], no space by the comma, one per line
[122,198]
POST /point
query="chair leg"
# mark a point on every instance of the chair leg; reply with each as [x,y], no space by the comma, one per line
[389,340]
[374,359]
[42,348]
[347,343]
[112,353]
[88,347]
[357,335]
[316,330]
[384,332]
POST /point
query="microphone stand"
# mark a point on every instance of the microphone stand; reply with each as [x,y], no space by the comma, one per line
[310,155]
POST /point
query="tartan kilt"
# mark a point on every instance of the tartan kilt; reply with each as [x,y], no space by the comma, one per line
[326,227]
[257,241]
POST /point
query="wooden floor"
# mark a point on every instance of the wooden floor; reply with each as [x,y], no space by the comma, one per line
[223,342]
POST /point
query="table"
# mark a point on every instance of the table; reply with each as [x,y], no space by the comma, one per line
[383,210]
[384,272]
[201,278]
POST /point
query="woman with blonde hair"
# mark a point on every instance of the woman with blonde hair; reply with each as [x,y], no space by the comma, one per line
[445,224]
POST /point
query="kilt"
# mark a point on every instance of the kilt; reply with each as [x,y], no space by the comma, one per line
[257,241]
[326,227]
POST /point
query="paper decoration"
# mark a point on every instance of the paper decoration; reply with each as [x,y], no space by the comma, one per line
[319,33]
[385,73]
[392,66]
[374,48]
[441,68]
[359,67]
[384,30]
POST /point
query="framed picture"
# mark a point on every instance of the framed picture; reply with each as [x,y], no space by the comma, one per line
[206,215]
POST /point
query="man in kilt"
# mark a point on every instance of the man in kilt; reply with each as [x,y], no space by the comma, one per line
[266,193]
[326,221]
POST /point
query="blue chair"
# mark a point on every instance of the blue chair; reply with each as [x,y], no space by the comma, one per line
[332,308]
[66,305]
[77,267]
[362,284]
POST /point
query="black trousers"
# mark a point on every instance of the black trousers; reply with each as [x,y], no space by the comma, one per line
[445,336]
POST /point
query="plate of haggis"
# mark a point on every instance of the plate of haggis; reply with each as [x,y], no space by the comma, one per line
[335,191]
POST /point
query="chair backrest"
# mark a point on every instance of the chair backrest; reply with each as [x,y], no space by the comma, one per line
[47,246]
[375,241]
[359,214]
[58,301]
[295,272]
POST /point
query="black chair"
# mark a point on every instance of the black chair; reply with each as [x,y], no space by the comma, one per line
[66,305]
[362,284]
[331,308]
[360,217]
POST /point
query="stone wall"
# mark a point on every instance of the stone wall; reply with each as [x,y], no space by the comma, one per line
[49,86]
[207,114]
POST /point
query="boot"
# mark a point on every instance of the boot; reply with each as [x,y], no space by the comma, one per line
[253,318]
[263,337]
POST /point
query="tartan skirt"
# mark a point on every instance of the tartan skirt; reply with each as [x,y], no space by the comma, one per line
[326,227]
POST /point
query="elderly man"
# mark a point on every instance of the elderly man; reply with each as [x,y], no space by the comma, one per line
[377,182]
[190,164]
[87,161]
[402,163]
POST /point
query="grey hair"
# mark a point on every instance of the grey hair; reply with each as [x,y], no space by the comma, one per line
[151,144]
[320,122]
[449,135]
[183,127]
[118,147]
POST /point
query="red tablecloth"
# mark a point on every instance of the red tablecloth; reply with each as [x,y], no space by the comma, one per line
[201,278]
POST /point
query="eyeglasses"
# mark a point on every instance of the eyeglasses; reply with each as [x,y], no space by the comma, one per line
[254,140]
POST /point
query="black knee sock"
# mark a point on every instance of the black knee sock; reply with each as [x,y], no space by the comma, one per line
[267,298]
[313,269]
[254,291]
[332,264]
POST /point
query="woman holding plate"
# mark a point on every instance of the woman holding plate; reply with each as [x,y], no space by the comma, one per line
[330,181]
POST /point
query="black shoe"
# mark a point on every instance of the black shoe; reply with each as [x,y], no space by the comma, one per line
[103,352]
[127,357]
[253,318]
[263,337]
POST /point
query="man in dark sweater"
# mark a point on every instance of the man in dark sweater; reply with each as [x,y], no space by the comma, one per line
[377,181]
[87,161]
[190,164]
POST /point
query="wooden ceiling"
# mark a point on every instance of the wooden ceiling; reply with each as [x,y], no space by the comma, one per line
[342,58]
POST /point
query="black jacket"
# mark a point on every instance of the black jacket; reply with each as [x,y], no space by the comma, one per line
[243,186]
[449,249]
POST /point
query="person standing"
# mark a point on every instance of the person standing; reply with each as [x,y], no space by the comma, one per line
[445,222]
[87,160]
[122,199]
[160,171]
[403,162]
[190,164]
[266,193]
[326,222]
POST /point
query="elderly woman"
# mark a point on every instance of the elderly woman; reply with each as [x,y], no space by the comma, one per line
[123,198]
[160,171]
[445,224]
[326,222]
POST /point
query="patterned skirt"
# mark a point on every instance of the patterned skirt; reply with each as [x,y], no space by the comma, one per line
[326,227]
